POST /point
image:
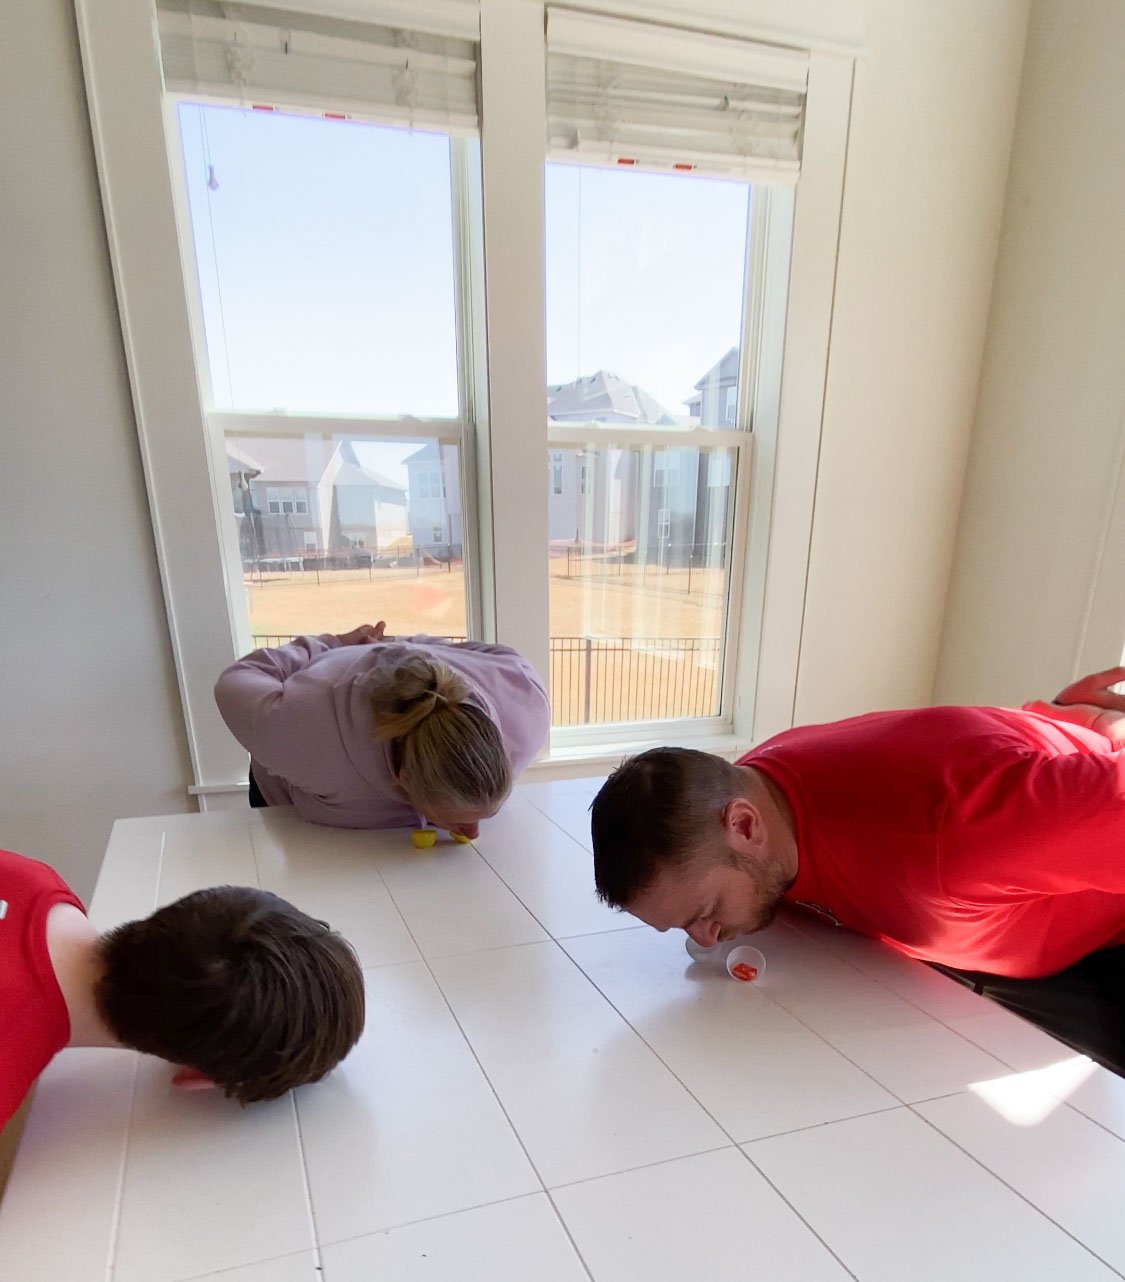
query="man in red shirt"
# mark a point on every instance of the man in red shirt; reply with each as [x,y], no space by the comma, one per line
[235,986]
[987,841]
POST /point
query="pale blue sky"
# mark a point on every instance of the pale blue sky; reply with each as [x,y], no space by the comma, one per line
[326,269]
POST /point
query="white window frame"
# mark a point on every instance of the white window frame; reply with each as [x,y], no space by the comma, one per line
[507,590]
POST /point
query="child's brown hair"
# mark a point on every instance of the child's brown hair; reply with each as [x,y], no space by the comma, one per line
[238,984]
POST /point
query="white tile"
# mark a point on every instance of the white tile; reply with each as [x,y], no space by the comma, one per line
[580,1086]
[57,1214]
[210,854]
[208,1184]
[1040,1155]
[287,1268]
[331,874]
[754,1067]
[570,811]
[506,1242]
[932,992]
[1008,1038]
[900,1046]
[407,1127]
[1101,1097]
[1014,1041]
[451,899]
[127,883]
[709,1216]
[549,872]
[894,1199]
[917,1060]
[549,790]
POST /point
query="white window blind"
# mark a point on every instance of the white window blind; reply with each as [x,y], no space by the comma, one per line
[638,94]
[413,63]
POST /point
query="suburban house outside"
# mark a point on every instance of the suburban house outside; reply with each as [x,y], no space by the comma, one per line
[298,498]
[664,506]
[312,497]
[434,502]
[715,402]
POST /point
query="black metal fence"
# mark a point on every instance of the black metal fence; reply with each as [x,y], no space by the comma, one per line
[691,568]
[600,679]
[355,566]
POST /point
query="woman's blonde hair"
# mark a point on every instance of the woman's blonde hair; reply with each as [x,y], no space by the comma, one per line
[449,754]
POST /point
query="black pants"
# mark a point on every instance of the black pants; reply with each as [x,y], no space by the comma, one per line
[1083,1006]
[257,801]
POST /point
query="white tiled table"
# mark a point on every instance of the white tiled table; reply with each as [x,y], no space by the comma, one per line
[546,1093]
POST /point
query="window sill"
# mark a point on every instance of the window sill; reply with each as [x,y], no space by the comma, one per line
[575,761]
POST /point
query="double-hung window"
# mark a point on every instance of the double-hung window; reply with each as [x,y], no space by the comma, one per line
[663,148]
[329,171]
[374,260]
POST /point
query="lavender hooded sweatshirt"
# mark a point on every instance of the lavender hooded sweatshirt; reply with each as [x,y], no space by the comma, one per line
[303,713]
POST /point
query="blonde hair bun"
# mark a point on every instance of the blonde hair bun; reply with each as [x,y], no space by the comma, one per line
[450,756]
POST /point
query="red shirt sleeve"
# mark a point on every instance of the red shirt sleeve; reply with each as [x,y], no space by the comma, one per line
[1039,825]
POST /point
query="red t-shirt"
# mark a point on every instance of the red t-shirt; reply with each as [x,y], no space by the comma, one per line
[33,1014]
[988,839]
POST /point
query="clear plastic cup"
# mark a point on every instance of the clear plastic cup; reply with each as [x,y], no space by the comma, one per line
[745,963]
[700,954]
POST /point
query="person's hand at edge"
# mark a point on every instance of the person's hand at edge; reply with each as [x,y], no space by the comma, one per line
[1096,690]
[365,634]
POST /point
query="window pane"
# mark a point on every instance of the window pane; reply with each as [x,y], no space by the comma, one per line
[638,577]
[368,545]
[645,289]
[325,261]
[646,283]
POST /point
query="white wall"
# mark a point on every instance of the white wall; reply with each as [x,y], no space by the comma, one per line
[92,726]
[932,120]
[1046,452]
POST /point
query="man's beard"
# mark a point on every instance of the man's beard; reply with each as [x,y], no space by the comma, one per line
[770,885]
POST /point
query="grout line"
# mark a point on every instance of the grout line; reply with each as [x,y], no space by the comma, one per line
[480,1066]
[254,855]
[425,1219]
[746,1156]
[547,815]
[989,1005]
[305,1187]
[644,1166]
[1012,1189]
[644,1040]
[237,1268]
[119,1195]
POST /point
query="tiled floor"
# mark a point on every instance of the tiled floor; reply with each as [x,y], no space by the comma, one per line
[547,1093]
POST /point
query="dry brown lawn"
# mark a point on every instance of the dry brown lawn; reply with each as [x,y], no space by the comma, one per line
[629,678]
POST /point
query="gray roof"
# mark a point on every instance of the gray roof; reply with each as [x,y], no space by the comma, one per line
[428,451]
[604,393]
[357,474]
[302,460]
[722,374]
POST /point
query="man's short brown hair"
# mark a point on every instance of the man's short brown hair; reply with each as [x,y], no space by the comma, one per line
[238,984]
[659,810]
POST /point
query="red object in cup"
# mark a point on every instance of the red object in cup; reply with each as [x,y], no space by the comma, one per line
[744,972]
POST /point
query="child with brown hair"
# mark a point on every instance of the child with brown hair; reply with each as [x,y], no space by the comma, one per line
[235,986]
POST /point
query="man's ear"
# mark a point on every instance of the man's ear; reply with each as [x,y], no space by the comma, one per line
[742,824]
[191,1079]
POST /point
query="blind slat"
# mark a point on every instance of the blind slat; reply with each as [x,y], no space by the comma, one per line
[636,93]
[306,61]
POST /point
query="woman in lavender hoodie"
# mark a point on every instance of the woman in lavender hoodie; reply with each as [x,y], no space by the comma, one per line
[369,731]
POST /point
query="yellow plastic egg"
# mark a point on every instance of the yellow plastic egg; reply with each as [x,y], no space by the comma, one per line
[423,838]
